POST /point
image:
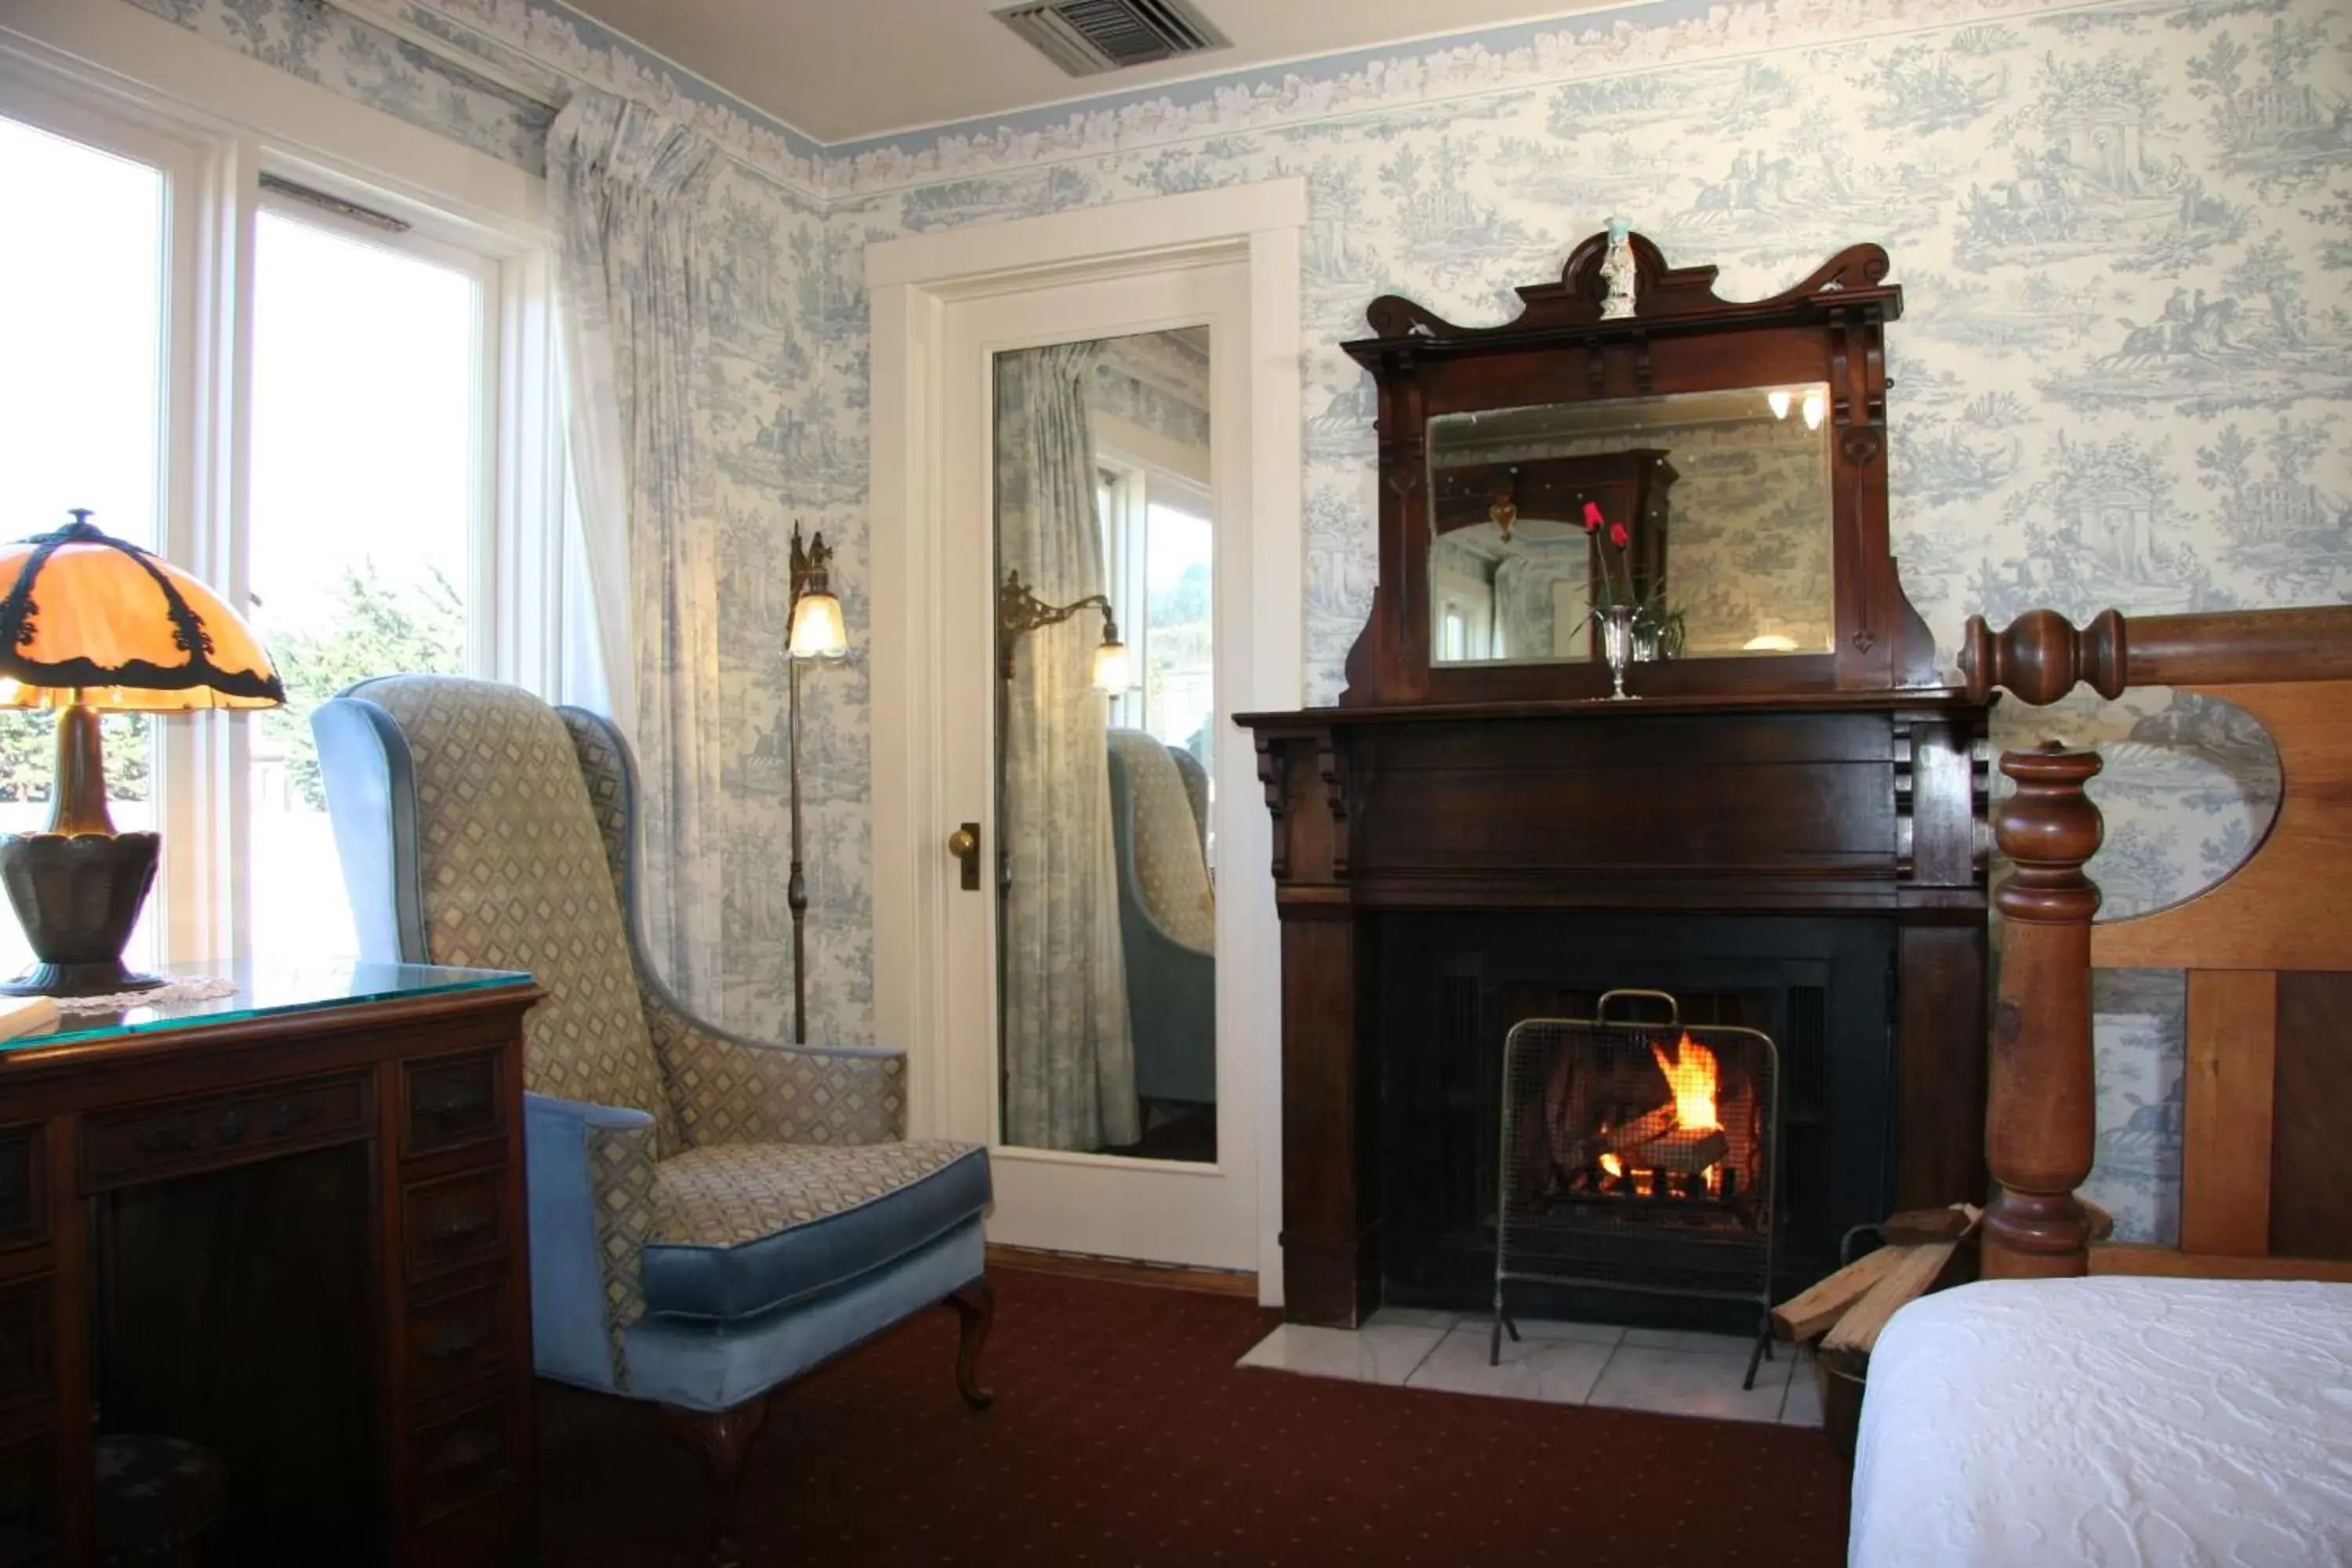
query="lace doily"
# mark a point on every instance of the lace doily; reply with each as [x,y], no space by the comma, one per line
[163,996]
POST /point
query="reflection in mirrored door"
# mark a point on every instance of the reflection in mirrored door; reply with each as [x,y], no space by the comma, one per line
[1106,714]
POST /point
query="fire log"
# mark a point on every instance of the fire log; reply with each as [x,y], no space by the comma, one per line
[1681,1153]
[1647,1128]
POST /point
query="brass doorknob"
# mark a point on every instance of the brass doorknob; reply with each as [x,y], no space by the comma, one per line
[964,845]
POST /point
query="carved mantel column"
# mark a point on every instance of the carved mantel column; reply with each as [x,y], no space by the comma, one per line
[2040,1117]
[1330,1155]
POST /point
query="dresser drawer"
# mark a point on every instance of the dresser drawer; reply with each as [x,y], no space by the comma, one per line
[122,1147]
[454,1222]
[450,1102]
[468,1455]
[456,1340]
[24,1341]
[24,1204]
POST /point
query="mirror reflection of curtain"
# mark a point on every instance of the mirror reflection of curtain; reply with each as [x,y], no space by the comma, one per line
[1069,1057]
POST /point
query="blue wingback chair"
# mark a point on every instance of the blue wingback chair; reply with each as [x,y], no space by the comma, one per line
[1167,917]
[710,1216]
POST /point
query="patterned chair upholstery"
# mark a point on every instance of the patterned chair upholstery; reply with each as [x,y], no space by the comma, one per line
[1167,917]
[710,1216]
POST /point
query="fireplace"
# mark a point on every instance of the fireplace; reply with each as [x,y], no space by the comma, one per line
[1812,872]
[1455,987]
[1637,1157]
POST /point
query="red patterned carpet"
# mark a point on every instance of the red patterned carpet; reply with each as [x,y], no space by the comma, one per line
[1123,1434]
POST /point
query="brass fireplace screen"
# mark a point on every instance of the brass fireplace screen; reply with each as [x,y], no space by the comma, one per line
[1638,1156]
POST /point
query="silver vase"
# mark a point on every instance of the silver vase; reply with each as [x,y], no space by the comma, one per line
[1617,646]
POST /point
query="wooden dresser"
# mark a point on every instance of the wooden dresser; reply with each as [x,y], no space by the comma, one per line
[287,1226]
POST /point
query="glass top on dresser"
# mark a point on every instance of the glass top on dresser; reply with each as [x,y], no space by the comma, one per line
[267,990]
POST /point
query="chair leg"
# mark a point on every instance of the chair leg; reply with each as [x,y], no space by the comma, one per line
[724,1439]
[975,1306]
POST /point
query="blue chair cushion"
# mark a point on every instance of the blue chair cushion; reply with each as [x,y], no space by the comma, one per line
[741,1229]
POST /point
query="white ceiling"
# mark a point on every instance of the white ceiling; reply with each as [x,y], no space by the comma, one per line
[846,69]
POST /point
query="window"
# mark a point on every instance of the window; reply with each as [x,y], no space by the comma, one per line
[82,323]
[354,432]
[371,442]
[1157,549]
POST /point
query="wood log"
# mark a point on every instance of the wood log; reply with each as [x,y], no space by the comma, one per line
[1913,1275]
[1620,1140]
[1681,1151]
[1816,1310]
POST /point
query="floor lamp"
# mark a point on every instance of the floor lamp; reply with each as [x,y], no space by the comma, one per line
[813,630]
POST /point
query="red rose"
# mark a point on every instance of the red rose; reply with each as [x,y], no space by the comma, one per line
[1618,536]
[1591,516]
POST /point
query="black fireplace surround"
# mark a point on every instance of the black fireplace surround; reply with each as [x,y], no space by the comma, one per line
[1452,985]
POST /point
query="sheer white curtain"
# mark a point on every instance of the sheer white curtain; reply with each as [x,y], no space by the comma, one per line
[1069,1058]
[624,187]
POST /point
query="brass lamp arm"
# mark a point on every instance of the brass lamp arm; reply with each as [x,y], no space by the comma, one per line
[1020,611]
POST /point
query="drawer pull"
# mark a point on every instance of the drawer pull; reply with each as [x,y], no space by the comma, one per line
[457,1225]
[456,1342]
[168,1138]
[292,1115]
[233,1125]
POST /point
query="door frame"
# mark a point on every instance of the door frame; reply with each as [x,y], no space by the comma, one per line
[910,282]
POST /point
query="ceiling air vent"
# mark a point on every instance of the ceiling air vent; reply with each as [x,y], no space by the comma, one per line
[1087,37]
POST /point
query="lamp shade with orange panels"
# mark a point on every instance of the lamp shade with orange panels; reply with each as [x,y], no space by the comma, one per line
[92,625]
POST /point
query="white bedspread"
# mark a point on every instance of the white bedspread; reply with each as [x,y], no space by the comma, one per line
[2112,1422]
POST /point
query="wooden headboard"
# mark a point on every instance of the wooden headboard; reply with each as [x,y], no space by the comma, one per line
[2267,1144]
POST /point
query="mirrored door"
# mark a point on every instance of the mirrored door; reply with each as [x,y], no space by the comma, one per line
[1104,531]
[1103,443]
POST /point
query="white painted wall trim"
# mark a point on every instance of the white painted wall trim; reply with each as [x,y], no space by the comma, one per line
[910,281]
[298,120]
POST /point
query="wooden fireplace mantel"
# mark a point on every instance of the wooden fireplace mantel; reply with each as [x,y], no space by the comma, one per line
[1869,805]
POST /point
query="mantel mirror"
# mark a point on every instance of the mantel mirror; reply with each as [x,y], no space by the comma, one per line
[1638,472]
[1721,501]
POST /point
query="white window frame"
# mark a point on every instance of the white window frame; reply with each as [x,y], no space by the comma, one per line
[214,121]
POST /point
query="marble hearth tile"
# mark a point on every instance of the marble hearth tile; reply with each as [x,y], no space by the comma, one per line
[1691,1383]
[1691,1339]
[1386,1352]
[1803,1407]
[1413,1318]
[1550,1328]
[1554,1370]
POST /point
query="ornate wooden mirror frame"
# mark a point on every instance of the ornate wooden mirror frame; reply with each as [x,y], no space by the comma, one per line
[1680,338]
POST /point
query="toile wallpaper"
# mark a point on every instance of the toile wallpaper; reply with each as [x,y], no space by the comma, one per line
[2124,376]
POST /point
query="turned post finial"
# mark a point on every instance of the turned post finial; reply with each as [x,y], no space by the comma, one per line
[2039,1115]
[2040,657]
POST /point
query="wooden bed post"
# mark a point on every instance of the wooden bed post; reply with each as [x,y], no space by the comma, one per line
[2039,1115]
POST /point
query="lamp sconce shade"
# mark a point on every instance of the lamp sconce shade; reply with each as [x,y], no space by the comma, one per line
[1112,674]
[817,628]
[89,620]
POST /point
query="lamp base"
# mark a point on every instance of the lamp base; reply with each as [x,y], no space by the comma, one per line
[79,980]
[79,896]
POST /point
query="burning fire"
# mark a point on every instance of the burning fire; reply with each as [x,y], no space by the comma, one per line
[1690,1073]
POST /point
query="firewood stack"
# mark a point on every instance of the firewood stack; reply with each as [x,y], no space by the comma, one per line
[1923,1250]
